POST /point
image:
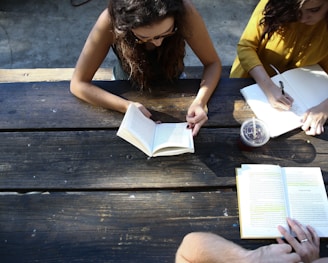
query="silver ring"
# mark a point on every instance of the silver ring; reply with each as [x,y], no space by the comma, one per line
[304,240]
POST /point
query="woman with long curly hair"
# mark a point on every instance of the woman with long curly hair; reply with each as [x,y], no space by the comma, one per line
[287,34]
[148,38]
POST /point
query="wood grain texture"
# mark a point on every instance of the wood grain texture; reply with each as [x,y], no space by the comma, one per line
[50,105]
[101,160]
[110,227]
[72,191]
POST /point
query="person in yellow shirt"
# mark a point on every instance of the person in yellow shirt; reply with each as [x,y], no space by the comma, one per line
[286,34]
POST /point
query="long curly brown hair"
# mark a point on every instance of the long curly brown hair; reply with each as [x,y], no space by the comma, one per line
[278,13]
[144,69]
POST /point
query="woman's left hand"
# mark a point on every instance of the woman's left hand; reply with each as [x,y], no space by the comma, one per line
[196,117]
[306,245]
[315,118]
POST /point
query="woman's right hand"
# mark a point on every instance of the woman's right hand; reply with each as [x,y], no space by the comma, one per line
[278,99]
[275,95]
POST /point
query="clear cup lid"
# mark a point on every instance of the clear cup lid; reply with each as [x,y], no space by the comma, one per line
[254,132]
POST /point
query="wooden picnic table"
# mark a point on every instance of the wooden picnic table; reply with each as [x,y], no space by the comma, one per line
[72,191]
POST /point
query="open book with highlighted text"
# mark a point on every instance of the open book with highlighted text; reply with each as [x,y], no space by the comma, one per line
[268,194]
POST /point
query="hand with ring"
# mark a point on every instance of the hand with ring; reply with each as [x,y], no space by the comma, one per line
[307,242]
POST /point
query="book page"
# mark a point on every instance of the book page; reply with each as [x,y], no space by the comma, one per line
[172,138]
[307,197]
[308,86]
[298,108]
[278,121]
[261,200]
[310,83]
[137,129]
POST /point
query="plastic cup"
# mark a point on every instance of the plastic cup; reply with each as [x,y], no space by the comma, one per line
[254,133]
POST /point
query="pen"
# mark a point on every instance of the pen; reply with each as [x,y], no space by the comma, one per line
[282,87]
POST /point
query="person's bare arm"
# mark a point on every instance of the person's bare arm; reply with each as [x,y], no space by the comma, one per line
[94,52]
[199,247]
[201,44]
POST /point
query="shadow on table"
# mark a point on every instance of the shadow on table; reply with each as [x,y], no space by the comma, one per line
[295,150]
[223,154]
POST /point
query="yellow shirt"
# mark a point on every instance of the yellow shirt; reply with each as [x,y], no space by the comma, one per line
[301,45]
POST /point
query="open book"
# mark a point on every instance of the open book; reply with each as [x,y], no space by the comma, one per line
[155,139]
[308,86]
[267,194]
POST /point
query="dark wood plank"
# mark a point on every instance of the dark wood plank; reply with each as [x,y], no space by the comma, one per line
[109,227]
[50,105]
[113,227]
[101,160]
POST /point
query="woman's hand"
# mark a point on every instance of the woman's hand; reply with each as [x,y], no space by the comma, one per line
[196,117]
[315,118]
[278,99]
[143,109]
[275,94]
[307,243]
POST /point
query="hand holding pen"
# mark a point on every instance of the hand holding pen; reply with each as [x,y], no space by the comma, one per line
[284,100]
[278,97]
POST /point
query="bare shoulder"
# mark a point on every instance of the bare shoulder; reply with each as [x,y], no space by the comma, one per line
[102,32]
[196,29]
[193,19]
[190,7]
[104,20]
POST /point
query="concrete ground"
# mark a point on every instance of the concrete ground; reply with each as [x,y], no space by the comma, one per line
[51,33]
